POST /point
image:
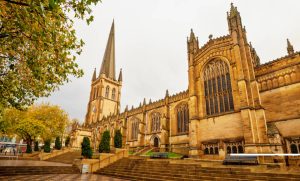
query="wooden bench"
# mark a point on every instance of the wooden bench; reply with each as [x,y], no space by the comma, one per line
[232,159]
[159,155]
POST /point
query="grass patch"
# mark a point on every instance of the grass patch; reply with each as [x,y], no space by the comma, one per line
[170,154]
[130,152]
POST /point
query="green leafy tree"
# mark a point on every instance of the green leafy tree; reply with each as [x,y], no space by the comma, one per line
[36,146]
[29,129]
[38,47]
[47,148]
[53,117]
[43,121]
[67,141]
[104,146]
[118,139]
[86,149]
[57,143]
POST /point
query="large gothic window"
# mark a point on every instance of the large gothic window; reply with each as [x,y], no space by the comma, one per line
[107,91]
[217,88]
[182,118]
[155,122]
[113,94]
[134,129]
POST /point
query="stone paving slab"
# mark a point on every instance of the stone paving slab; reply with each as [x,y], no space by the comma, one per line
[30,163]
[60,177]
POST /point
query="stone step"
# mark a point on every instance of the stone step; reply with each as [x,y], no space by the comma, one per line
[170,177]
[141,169]
[190,172]
[187,174]
[199,169]
[29,170]
[178,169]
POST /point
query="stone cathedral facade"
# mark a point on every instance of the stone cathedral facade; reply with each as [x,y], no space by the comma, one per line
[233,104]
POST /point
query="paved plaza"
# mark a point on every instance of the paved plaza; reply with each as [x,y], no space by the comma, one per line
[60,177]
[30,163]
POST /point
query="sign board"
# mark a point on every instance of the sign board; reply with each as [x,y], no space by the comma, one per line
[85,168]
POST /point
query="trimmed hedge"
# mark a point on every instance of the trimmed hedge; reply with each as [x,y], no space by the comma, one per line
[86,149]
[104,146]
[118,139]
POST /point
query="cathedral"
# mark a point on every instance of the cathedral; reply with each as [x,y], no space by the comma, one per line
[233,104]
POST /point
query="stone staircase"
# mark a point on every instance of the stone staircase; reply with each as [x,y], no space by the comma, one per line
[37,170]
[159,170]
[67,158]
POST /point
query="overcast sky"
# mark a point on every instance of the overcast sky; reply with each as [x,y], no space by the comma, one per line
[151,43]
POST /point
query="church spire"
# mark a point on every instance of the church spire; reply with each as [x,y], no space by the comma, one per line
[290,48]
[120,79]
[108,63]
[94,75]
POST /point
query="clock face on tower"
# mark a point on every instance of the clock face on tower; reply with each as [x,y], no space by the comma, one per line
[94,109]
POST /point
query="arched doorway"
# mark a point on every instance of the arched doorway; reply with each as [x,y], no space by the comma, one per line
[155,142]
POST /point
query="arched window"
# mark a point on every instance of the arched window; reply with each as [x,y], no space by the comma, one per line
[234,149]
[107,91]
[211,151]
[217,88]
[206,151]
[228,149]
[182,118]
[113,94]
[240,149]
[211,148]
[134,129]
[155,122]
[294,148]
[216,150]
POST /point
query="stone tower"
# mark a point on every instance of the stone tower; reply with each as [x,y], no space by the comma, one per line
[105,91]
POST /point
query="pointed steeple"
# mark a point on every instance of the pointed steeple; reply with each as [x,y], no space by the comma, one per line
[167,93]
[233,11]
[192,35]
[108,62]
[290,48]
[120,79]
[144,102]
[234,20]
[192,43]
[94,75]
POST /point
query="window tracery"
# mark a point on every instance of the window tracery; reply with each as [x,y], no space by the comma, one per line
[217,88]
[134,129]
[211,149]
[235,147]
[182,118]
[113,94]
[107,91]
[295,146]
[155,122]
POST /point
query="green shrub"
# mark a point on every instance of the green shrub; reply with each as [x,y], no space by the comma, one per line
[86,149]
[57,143]
[47,148]
[36,146]
[28,148]
[118,139]
[67,142]
[104,146]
